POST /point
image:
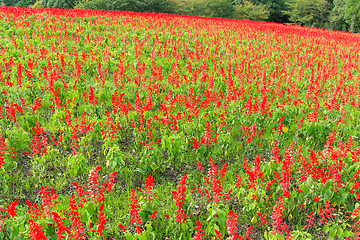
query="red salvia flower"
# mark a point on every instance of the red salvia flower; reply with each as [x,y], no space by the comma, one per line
[310,221]
[218,234]
[248,232]
[148,188]
[153,215]
[356,184]
[2,150]
[36,106]
[200,166]
[262,218]
[33,210]
[238,181]
[122,227]
[109,182]
[77,228]
[19,75]
[60,225]
[11,209]
[207,137]
[199,233]
[35,231]
[281,120]
[277,216]
[134,208]
[93,184]
[286,171]
[138,229]
[231,227]
[39,141]
[101,220]
[179,197]
[48,199]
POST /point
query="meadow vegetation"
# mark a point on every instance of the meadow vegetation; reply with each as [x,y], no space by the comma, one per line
[124,125]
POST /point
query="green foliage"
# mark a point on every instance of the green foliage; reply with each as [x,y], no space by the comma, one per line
[275,8]
[215,118]
[251,11]
[352,14]
[151,5]
[94,4]
[63,4]
[308,12]
[337,15]
[37,5]
[125,5]
[25,3]
[220,8]
[9,3]
[189,7]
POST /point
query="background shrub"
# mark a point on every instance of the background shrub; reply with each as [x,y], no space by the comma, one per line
[37,5]
[251,11]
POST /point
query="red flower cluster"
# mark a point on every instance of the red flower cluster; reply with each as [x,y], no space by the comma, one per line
[134,211]
[179,197]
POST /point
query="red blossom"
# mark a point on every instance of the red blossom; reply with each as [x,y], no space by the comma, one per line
[199,233]
[60,225]
[135,208]
[262,218]
[11,209]
[153,215]
[36,232]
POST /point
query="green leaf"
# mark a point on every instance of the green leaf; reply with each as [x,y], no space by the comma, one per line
[326,229]
[142,237]
[348,234]
[339,232]
[15,232]
[332,233]
[184,226]
[154,167]
[305,188]
[337,200]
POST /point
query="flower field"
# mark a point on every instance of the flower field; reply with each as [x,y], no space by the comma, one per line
[120,125]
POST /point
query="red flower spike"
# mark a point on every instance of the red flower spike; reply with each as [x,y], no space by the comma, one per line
[218,234]
[36,232]
[248,232]
[231,223]
[11,209]
[122,227]
[153,215]
[263,219]
[60,226]
[199,233]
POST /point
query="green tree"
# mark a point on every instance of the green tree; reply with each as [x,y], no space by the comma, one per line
[9,3]
[189,7]
[251,11]
[25,3]
[352,14]
[151,5]
[220,8]
[337,15]
[37,5]
[125,5]
[308,12]
[275,8]
[103,5]
[63,4]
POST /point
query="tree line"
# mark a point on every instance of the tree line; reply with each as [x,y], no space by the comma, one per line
[343,15]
